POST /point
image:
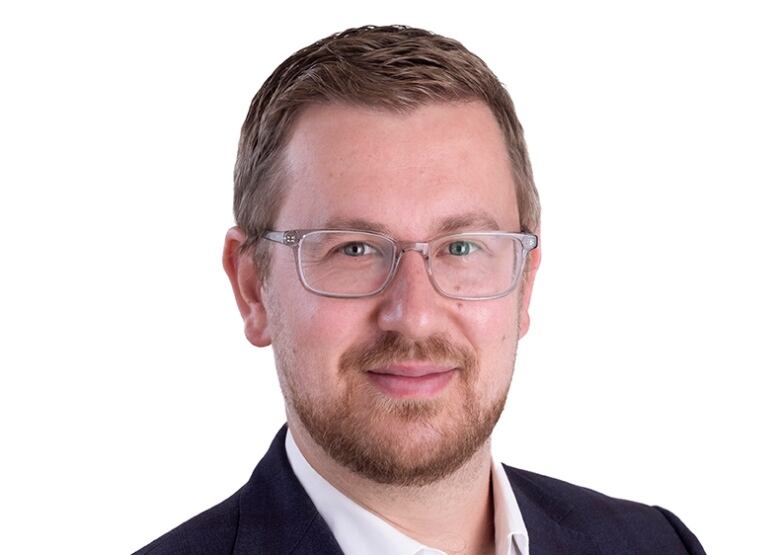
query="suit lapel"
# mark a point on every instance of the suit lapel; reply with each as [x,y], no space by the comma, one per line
[275,513]
[277,516]
[543,516]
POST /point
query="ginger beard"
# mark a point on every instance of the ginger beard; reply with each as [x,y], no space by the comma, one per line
[402,442]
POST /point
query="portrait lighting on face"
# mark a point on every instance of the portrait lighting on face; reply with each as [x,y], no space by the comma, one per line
[385,247]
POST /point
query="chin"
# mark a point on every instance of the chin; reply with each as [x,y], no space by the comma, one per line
[402,442]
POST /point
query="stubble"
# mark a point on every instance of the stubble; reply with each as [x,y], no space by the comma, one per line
[401,442]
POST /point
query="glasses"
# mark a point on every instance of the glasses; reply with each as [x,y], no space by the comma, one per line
[352,264]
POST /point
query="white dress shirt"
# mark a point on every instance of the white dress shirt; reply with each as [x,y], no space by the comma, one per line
[359,531]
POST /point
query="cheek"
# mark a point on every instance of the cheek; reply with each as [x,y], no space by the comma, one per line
[328,324]
[492,325]
[493,331]
[311,333]
[298,319]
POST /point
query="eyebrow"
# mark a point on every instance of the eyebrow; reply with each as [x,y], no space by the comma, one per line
[359,224]
[472,221]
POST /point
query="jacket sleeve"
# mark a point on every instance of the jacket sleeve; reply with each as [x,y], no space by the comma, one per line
[686,536]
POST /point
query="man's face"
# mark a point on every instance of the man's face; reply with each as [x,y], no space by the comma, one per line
[441,167]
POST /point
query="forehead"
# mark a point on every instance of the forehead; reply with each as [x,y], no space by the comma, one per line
[409,173]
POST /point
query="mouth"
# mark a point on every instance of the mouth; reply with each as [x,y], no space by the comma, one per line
[411,380]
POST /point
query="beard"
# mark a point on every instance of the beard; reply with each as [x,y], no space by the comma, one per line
[402,442]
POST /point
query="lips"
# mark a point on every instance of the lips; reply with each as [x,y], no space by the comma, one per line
[412,370]
[407,380]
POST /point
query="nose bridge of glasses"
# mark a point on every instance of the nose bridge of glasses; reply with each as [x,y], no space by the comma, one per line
[413,246]
[403,247]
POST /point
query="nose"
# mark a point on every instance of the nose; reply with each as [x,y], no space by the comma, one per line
[410,305]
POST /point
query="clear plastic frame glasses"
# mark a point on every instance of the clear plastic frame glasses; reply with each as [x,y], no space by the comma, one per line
[342,263]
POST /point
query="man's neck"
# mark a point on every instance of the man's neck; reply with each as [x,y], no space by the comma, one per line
[454,514]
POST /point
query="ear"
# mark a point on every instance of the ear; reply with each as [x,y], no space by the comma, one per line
[247,288]
[529,275]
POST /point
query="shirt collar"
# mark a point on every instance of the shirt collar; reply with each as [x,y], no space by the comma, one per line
[359,531]
[511,533]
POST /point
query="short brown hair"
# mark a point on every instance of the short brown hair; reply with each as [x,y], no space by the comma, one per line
[392,67]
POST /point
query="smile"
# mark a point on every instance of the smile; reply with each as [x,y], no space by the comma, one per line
[411,380]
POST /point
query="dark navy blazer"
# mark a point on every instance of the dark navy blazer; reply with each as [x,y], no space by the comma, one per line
[272,514]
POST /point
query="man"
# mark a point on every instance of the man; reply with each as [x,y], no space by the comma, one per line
[386,247]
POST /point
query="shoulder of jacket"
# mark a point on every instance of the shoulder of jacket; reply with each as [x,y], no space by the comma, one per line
[610,521]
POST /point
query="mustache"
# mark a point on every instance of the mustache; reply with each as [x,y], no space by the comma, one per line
[392,347]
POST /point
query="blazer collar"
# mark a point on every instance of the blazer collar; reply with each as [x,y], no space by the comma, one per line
[275,513]
[277,516]
[544,515]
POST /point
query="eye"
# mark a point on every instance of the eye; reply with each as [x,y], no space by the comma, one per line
[356,249]
[461,248]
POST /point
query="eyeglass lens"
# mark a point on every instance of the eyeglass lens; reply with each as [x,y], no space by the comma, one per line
[354,263]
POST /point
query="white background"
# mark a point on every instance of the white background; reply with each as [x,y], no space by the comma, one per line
[129,398]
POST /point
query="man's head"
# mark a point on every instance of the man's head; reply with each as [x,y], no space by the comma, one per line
[393,68]
[401,132]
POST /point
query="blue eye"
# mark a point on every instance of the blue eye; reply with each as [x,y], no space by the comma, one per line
[357,249]
[354,249]
[461,248]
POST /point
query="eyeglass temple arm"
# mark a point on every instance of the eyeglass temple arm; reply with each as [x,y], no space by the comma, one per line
[530,241]
[289,238]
